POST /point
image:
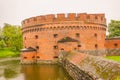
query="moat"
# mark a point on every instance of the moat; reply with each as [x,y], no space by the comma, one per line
[13,70]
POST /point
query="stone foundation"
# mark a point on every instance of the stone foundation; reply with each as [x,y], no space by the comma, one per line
[75,72]
[105,52]
[86,67]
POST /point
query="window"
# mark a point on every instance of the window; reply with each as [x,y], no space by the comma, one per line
[36,36]
[75,48]
[62,49]
[77,35]
[55,35]
[25,57]
[55,47]
[115,44]
[33,57]
[55,57]
[37,47]
[79,45]
[38,57]
[95,35]
[96,46]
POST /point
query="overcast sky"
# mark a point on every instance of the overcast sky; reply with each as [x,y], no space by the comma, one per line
[14,11]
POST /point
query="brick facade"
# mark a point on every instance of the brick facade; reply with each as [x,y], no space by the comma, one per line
[112,43]
[44,32]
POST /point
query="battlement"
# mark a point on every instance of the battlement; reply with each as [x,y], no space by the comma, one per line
[93,18]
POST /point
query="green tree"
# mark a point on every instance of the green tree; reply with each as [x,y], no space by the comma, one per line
[114,28]
[12,36]
[2,44]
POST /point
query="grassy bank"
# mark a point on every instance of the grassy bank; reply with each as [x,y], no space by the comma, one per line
[8,53]
[115,58]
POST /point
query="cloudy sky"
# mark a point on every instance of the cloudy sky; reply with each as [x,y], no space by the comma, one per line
[14,11]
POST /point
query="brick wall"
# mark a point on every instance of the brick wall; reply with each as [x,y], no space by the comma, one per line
[112,43]
[88,29]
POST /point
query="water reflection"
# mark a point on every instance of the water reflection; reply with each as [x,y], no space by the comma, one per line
[44,72]
[12,70]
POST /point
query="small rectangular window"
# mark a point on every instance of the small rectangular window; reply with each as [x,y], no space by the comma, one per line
[77,35]
[116,45]
[37,47]
[96,46]
[36,36]
[79,45]
[55,35]
[95,35]
[55,47]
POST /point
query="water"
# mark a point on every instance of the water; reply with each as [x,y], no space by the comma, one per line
[12,70]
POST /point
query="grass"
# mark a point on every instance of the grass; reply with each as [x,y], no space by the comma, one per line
[115,58]
[8,53]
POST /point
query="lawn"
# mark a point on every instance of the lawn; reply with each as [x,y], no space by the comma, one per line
[8,53]
[115,58]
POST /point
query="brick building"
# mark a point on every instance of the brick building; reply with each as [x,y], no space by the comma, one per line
[45,36]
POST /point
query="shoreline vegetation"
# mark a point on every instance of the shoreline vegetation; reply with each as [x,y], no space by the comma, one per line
[7,53]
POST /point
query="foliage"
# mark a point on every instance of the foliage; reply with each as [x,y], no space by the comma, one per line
[11,37]
[115,58]
[2,44]
[114,28]
[8,53]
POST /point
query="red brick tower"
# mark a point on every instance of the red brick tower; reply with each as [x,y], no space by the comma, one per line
[51,33]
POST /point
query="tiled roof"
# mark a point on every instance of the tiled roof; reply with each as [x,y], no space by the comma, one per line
[67,39]
[28,49]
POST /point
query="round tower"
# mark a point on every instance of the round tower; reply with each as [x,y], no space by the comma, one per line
[51,33]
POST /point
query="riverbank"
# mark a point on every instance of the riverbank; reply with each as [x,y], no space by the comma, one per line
[9,59]
[6,52]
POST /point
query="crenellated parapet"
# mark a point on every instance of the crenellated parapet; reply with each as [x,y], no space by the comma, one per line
[52,18]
